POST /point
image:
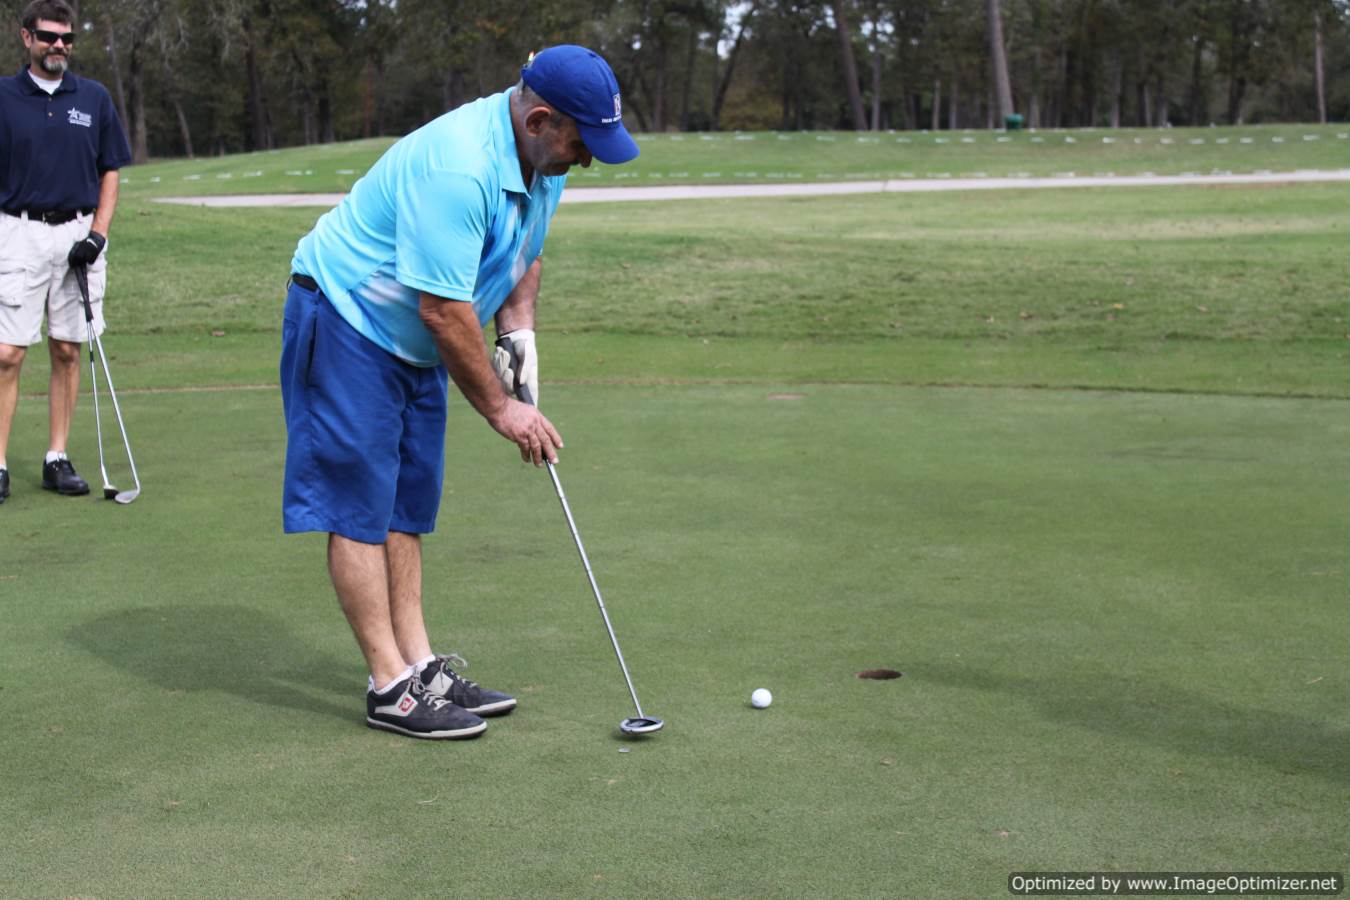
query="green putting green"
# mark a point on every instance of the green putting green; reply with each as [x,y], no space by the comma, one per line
[1116,615]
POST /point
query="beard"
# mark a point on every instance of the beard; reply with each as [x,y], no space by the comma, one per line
[54,64]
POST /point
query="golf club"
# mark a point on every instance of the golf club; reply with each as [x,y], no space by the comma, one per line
[641,723]
[109,492]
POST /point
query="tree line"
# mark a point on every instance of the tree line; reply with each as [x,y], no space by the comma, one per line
[194,77]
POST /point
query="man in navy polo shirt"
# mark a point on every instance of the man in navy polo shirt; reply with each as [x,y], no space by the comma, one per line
[387,302]
[61,145]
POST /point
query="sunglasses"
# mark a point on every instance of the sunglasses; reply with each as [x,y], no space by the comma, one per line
[51,37]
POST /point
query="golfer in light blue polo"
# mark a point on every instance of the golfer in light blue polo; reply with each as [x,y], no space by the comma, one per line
[389,295]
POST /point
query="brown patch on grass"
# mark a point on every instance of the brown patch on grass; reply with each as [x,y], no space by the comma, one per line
[879,674]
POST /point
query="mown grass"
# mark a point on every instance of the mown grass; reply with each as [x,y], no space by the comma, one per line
[1117,616]
[1118,611]
[1203,288]
[1095,266]
[812,156]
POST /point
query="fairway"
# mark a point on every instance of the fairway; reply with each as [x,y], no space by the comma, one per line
[1071,461]
[786,157]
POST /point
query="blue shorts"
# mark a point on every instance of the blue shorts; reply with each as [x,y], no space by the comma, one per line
[365,431]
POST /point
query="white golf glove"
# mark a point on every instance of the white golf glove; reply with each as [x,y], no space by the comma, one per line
[517,363]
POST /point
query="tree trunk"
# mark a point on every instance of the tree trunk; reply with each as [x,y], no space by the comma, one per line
[953,114]
[183,130]
[119,95]
[725,81]
[453,90]
[140,142]
[1059,96]
[876,82]
[326,132]
[999,59]
[1117,90]
[850,66]
[1241,29]
[257,116]
[689,58]
[1087,115]
[308,134]
[368,100]
[1319,74]
[1199,104]
[657,95]
[659,100]
[1160,101]
[937,104]
[1237,89]
[1034,111]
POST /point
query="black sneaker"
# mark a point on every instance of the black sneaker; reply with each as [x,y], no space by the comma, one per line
[4,484]
[409,708]
[60,476]
[444,681]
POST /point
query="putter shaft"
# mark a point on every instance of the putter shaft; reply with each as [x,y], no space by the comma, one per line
[82,280]
[590,576]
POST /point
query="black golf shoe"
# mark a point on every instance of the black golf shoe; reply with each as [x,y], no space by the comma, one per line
[409,708]
[4,484]
[444,681]
[60,476]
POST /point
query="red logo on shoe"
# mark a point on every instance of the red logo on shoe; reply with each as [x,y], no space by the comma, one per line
[406,704]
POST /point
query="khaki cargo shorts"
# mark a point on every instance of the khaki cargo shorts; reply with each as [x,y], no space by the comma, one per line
[36,281]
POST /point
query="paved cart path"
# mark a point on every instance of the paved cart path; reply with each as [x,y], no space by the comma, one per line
[890,186]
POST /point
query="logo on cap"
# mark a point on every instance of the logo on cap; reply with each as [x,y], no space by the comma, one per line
[618,112]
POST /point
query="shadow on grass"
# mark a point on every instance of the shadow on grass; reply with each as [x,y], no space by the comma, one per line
[232,649]
[1169,717]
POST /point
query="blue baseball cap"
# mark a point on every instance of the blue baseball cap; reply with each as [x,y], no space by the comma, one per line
[579,83]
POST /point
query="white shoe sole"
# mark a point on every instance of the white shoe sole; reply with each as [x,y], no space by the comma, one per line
[494,709]
[444,735]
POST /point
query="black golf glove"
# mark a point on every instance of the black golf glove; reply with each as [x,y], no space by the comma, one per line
[87,249]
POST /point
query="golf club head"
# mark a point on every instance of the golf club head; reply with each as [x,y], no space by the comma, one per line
[126,497]
[644,725]
[109,492]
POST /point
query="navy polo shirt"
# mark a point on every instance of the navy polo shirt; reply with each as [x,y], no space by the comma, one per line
[54,149]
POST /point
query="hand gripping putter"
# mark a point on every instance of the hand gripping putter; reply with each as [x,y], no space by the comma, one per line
[641,723]
[109,492]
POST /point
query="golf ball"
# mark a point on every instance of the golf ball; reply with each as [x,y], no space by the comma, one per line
[761,698]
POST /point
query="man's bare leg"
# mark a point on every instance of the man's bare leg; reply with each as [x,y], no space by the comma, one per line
[11,361]
[404,554]
[361,578]
[64,391]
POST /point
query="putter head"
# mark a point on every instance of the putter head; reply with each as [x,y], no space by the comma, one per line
[125,497]
[640,725]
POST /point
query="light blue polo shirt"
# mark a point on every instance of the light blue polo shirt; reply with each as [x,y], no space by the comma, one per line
[445,211]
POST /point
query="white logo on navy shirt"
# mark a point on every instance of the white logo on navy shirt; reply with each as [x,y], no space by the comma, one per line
[79,118]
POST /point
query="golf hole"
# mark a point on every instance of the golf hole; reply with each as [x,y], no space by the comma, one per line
[879,674]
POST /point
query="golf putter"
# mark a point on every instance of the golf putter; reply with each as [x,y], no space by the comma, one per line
[109,492]
[641,723]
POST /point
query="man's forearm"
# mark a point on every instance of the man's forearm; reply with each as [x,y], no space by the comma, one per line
[518,310]
[107,201]
[459,338]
